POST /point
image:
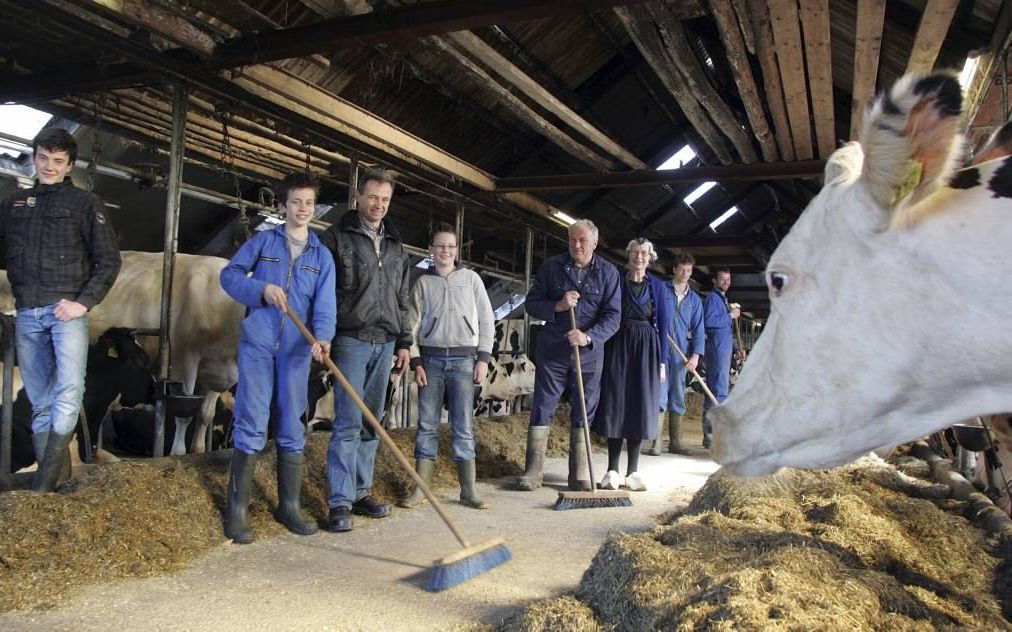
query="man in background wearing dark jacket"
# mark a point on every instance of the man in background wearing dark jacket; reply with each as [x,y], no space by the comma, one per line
[62,258]
[372,327]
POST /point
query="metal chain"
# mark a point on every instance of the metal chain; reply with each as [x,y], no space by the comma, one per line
[96,143]
[228,162]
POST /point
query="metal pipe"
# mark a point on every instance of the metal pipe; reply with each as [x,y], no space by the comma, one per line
[528,270]
[352,182]
[459,229]
[179,105]
[7,423]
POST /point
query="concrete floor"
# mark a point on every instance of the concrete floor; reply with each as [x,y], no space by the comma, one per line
[372,577]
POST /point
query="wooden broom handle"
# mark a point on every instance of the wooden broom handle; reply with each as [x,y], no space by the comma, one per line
[694,373]
[583,402]
[378,427]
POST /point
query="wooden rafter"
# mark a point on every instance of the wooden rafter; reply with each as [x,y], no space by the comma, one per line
[818,57]
[651,177]
[930,34]
[787,35]
[679,52]
[491,58]
[522,110]
[741,70]
[154,18]
[411,22]
[867,46]
[643,33]
[747,32]
[759,17]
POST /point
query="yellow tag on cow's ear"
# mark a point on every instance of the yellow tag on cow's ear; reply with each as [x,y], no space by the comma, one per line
[112,352]
[915,171]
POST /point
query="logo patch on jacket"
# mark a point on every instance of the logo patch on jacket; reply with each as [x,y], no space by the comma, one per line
[30,201]
[100,218]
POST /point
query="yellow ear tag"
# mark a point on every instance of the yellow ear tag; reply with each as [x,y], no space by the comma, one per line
[112,352]
[915,170]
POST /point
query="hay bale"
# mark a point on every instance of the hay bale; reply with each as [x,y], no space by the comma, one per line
[562,614]
[852,548]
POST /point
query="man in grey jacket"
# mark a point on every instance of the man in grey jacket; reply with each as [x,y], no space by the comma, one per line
[453,329]
[372,327]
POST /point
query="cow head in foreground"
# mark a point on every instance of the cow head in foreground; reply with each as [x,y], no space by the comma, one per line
[890,300]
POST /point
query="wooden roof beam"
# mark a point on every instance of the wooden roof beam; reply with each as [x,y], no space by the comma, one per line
[773,88]
[867,47]
[683,57]
[931,32]
[741,70]
[641,29]
[523,111]
[409,22]
[650,177]
[818,57]
[487,55]
[154,18]
[787,35]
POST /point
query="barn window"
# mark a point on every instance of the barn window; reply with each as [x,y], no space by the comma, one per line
[23,123]
[678,159]
[699,192]
[723,218]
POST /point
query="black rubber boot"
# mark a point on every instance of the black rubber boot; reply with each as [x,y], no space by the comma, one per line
[289,511]
[54,468]
[237,505]
[39,440]
[468,495]
[537,445]
[577,461]
[424,467]
[675,434]
[707,431]
[654,447]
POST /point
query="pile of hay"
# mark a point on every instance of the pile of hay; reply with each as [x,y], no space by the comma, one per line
[134,519]
[864,547]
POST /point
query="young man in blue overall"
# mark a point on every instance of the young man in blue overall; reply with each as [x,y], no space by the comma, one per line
[291,272]
[62,258]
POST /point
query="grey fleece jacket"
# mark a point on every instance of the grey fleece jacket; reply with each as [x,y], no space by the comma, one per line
[451,316]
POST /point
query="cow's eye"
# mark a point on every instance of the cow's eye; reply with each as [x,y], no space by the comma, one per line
[777,282]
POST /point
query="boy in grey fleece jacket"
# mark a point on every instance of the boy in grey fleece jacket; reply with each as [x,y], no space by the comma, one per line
[452,331]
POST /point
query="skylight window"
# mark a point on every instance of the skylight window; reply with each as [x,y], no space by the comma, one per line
[21,121]
[723,218]
[969,70]
[678,159]
[699,192]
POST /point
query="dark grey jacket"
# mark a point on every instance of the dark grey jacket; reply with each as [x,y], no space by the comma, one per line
[372,293]
[59,244]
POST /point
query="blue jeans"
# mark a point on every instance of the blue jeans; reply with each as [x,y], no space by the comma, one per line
[455,376]
[352,451]
[53,356]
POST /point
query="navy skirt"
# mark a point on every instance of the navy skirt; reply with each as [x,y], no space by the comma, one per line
[630,384]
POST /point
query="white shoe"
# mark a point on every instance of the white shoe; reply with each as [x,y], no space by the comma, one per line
[634,483]
[611,480]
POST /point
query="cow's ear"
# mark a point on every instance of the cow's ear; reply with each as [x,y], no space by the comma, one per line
[911,139]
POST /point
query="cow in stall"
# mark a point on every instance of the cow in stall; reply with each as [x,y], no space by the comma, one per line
[117,372]
[1000,478]
[203,336]
[889,298]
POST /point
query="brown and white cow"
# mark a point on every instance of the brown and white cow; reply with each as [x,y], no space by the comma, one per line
[890,298]
[205,328]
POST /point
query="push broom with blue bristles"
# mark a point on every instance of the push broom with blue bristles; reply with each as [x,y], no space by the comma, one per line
[471,560]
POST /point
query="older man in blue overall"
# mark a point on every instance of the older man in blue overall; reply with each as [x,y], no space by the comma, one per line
[718,317]
[591,286]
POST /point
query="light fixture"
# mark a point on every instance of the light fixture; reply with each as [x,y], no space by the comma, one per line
[562,217]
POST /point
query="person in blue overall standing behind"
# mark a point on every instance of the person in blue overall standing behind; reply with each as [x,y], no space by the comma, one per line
[291,272]
[718,317]
[591,286]
[634,367]
[686,310]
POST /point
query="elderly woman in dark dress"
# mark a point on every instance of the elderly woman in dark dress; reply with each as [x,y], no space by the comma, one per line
[634,368]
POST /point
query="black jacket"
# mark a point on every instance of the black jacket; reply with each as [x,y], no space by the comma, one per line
[372,294]
[59,244]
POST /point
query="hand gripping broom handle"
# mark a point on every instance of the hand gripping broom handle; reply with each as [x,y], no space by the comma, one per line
[702,382]
[378,427]
[583,402]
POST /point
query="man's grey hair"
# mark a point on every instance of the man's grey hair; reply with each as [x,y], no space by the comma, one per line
[585,224]
[642,241]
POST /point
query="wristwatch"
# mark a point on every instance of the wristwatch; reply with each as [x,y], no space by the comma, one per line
[589,341]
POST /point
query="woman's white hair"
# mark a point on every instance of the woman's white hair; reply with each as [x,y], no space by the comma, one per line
[641,241]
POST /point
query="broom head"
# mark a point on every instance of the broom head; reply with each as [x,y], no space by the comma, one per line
[467,563]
